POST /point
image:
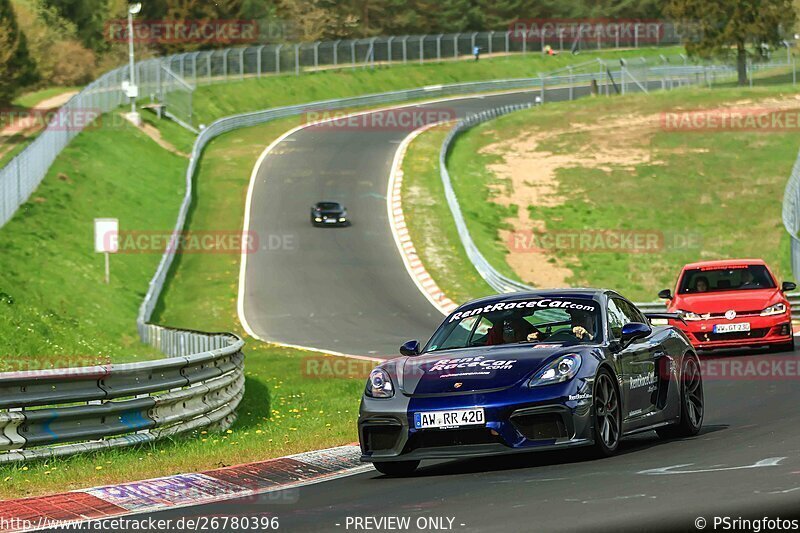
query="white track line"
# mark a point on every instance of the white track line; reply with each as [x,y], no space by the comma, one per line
[249,201]
[416,271]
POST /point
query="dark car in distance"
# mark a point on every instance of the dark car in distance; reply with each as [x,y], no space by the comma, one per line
[329,214]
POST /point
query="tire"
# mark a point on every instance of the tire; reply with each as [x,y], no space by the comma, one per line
[396,468]
[606,415]
[692,402]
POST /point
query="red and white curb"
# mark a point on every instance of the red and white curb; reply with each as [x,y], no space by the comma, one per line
[171,492]
[397,222]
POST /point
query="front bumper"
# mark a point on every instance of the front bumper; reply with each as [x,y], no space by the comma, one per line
[516,421]
[336,224]
[764,331]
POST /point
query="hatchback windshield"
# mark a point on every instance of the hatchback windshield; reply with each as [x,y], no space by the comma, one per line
[544,320]
[727,278]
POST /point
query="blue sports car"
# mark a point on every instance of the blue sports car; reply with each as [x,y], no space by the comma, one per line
[531,371]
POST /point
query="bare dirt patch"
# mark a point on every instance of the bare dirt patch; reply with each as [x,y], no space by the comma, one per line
[529,162]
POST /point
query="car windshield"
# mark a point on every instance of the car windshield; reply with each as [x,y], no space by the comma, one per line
[328,206]
[535,321]
[726,278]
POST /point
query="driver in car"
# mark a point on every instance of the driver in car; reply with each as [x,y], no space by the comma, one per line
[582,324]
[512,328]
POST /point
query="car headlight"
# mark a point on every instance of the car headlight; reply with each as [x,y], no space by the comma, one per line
[379,385]
[688,315]
[317,219]
[562,369]
[342,219]
[777,309]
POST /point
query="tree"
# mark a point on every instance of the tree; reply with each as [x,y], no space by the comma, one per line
[89,16]
[17,70]
[722,27]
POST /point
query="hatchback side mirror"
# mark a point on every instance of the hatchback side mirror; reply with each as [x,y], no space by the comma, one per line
[411,348]
[666,294]
[787,286]
[634,331]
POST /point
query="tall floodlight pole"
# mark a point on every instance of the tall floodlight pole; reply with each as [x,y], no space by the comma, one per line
[133,90]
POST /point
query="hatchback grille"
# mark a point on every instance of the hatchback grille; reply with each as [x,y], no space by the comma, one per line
[735,336]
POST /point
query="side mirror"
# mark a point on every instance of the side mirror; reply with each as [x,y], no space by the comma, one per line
[634,331]
[411,348]
[666,294]
[787,286]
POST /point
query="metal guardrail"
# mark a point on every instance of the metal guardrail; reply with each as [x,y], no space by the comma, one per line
[60,412]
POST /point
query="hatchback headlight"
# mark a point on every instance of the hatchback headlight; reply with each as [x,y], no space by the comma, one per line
[317,219]
[777,309]
[379,384]
[688,315]
[562,369]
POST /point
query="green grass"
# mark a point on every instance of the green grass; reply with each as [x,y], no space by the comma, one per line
[285,408]
[724,189]
[430,224]
[252,94]
[55,307]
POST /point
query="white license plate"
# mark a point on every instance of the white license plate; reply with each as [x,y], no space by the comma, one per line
[330,221]
[732,328]
[449,419]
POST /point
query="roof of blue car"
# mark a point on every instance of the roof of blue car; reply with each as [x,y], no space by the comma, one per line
[538,293]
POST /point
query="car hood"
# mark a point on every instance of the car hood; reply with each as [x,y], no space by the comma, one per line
[720,302]
[475,369]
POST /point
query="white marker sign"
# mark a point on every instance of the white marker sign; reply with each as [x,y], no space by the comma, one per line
[106,240]
[106,235]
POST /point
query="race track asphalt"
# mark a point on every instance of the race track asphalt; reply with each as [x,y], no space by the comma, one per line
[339,289]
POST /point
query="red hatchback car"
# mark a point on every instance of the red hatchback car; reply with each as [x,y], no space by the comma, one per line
[732,304]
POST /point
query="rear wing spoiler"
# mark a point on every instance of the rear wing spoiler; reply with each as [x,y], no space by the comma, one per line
[665,316]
